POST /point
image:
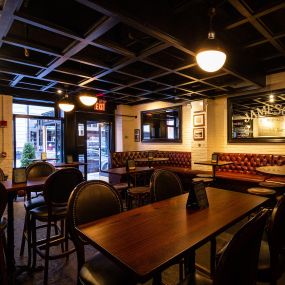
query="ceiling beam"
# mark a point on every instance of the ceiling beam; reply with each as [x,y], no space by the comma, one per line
[256,16]
[16,80]
[243,10]
[6,19]
[107,8]
[100,28]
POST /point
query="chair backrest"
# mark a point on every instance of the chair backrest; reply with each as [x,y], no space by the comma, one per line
[2,175]
[164,184]
[60,184]
[89,201]
[3,199]
[130,164]
[39,169]
[276,236]
[238,262]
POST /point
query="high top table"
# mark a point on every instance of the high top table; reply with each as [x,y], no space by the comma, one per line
[146,240]
[213,164]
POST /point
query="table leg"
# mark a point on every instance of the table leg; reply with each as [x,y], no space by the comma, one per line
[213,249]
[214,172]
[190,267]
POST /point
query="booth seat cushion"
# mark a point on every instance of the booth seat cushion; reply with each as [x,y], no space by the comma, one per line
[241,176]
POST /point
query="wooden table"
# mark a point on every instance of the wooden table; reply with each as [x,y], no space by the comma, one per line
[122,171]
[272,170]
[75,164]
[214,164]
[151,160]
[12,189]
[148,239]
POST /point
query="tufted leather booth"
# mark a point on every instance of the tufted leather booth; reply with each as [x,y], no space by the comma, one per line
[176,158]
[245,164]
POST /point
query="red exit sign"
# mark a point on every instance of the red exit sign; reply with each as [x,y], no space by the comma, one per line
[100,105]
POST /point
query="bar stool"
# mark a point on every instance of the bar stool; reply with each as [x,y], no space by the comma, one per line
[205,180]
[262,191]
[34,170]
[57,190]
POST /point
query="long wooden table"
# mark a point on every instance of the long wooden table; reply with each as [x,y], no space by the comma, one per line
[147,239]
[12,189]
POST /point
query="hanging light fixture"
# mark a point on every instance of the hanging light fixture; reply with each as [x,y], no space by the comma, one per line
[88,100]
[211,57]
[65,104]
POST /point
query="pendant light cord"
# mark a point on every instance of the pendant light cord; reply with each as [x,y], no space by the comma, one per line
[211,33]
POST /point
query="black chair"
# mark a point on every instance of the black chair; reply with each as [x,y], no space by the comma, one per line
[34,170]
[3,247]
[272,259]
[238,261]
[2,175]
[56,191]
[88,202]
[164,184]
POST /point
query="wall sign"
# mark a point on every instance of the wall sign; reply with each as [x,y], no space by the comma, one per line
[100,106]
[257,118]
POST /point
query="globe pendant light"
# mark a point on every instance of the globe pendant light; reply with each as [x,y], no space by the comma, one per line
[88,100]
[65,104]
[211,56]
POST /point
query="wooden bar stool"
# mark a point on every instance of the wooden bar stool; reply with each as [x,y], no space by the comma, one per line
[205,180]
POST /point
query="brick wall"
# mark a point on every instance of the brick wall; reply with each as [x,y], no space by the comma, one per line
[6,134]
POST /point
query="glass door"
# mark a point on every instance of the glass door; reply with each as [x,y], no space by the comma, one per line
[97,147]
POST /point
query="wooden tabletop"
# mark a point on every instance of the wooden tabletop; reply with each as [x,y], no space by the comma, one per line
[30,184]
[209,162]
[70,164]
[148,238]
[123,170]
[146,159]
[272,170]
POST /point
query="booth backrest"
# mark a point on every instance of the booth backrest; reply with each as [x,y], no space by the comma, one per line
[176,158]
[246,163]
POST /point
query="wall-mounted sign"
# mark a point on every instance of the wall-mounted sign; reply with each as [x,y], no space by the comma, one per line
[100,105]
[257,118]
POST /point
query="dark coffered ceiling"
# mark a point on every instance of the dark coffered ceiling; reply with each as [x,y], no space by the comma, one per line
[133,52]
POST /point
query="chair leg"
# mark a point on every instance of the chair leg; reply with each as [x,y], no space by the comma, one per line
[23,237]
[47,253]
[34,241]
[3,268]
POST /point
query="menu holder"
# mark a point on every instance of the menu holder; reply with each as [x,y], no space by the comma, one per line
[197,198]
[19,175]
[215,158]
[130,165]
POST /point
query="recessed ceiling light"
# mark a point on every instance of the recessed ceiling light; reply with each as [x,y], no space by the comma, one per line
[59,91]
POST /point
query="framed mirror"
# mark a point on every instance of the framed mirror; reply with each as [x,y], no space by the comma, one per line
[162,125]
[257,118]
